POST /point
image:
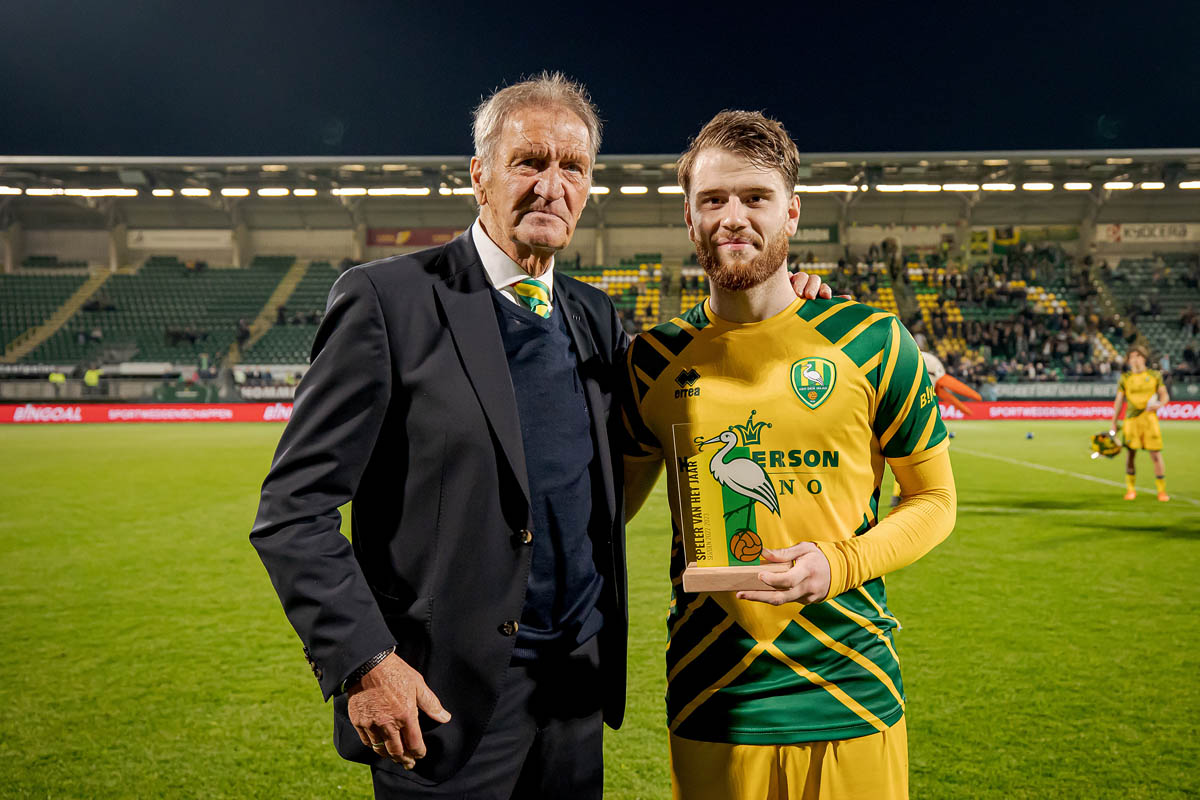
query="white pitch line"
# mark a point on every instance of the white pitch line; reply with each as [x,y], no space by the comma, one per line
[1011,510]
[1056,470]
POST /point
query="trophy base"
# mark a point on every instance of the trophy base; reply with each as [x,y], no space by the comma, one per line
[729,579]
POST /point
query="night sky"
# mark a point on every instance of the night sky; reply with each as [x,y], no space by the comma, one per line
[391,78]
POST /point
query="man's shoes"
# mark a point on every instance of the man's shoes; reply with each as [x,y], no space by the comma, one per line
[1163,497]
[1130,495]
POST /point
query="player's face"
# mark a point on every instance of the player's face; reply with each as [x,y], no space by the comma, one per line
[1136,361]
[533,192]
[739,217]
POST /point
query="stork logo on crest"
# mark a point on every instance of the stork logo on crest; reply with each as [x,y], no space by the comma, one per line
[813,380]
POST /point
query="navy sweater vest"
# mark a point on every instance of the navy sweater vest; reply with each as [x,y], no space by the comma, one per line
[560,604]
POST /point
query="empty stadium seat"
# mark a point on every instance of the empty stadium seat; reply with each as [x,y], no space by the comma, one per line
[167,295]
[27,301]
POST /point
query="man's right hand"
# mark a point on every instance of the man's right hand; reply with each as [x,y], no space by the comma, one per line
[384,705]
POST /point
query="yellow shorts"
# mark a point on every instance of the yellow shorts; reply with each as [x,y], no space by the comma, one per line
[873,767]
[1142,432]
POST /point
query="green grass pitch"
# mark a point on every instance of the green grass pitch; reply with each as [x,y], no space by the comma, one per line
[1046,645]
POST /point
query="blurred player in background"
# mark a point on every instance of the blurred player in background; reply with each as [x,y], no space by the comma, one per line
[1143,393]
[792,691]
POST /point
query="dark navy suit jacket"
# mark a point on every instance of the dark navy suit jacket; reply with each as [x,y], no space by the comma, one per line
[408,410]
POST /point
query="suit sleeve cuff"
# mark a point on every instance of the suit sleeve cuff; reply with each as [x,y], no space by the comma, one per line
[366,667]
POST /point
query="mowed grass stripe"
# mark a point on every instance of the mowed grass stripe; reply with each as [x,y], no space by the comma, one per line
[1082,476]
[146,654]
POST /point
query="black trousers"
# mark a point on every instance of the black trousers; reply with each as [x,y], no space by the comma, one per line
[545,739]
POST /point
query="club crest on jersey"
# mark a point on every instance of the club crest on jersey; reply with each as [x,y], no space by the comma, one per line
[813,380]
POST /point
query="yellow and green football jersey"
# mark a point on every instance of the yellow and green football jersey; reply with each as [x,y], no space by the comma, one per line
[1139,387]
[793,417]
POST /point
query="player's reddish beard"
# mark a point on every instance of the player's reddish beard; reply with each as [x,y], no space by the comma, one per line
[739,274]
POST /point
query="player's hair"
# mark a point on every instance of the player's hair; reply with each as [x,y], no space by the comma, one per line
[762,141]
[1142,349]
[551,89]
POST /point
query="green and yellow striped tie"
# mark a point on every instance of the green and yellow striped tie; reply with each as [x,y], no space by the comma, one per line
[535,296]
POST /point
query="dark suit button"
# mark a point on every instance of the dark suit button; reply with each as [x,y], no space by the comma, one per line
[525,537]
[509,628]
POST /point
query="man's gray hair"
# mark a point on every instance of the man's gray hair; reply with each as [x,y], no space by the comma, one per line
[544,89]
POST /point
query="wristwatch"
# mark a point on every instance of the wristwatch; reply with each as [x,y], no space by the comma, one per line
[368,665]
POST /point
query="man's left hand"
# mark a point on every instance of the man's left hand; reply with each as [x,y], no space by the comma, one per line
[806,582]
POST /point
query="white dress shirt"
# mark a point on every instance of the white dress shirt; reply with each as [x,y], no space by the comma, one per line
[502,271]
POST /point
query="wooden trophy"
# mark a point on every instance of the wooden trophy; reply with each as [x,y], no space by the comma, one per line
[725,498]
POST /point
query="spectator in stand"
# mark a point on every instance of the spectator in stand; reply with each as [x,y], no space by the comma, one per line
[1189,321]
[918,331]
[1191,359]
[1191,276]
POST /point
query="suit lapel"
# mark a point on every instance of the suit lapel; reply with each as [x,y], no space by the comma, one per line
[466,299]
[589,362]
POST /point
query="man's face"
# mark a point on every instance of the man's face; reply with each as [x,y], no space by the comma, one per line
[1136,361]
[739,218]
[535,188]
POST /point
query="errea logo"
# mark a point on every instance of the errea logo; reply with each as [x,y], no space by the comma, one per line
[686,381]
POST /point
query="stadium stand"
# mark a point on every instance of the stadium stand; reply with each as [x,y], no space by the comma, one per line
[635,286]
[1029,314]
[693,286]
[289,339]
[1159,294]
[1033,313]
[27,301]
[167,311]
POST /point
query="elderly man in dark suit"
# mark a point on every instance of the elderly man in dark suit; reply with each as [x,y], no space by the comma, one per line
[473,636]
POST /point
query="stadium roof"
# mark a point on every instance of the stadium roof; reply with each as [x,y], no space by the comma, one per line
[151,191]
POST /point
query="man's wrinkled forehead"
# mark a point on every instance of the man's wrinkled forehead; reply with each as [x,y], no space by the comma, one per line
[542,131]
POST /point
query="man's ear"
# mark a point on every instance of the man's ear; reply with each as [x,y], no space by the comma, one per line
[477,181]
[687,218]
[793,215]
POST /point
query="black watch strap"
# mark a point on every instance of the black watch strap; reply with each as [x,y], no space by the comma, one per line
[366,667]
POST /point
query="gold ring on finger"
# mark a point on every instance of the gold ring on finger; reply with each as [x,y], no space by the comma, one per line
[378,745]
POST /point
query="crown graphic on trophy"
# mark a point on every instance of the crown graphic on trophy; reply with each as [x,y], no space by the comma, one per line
[751,432]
